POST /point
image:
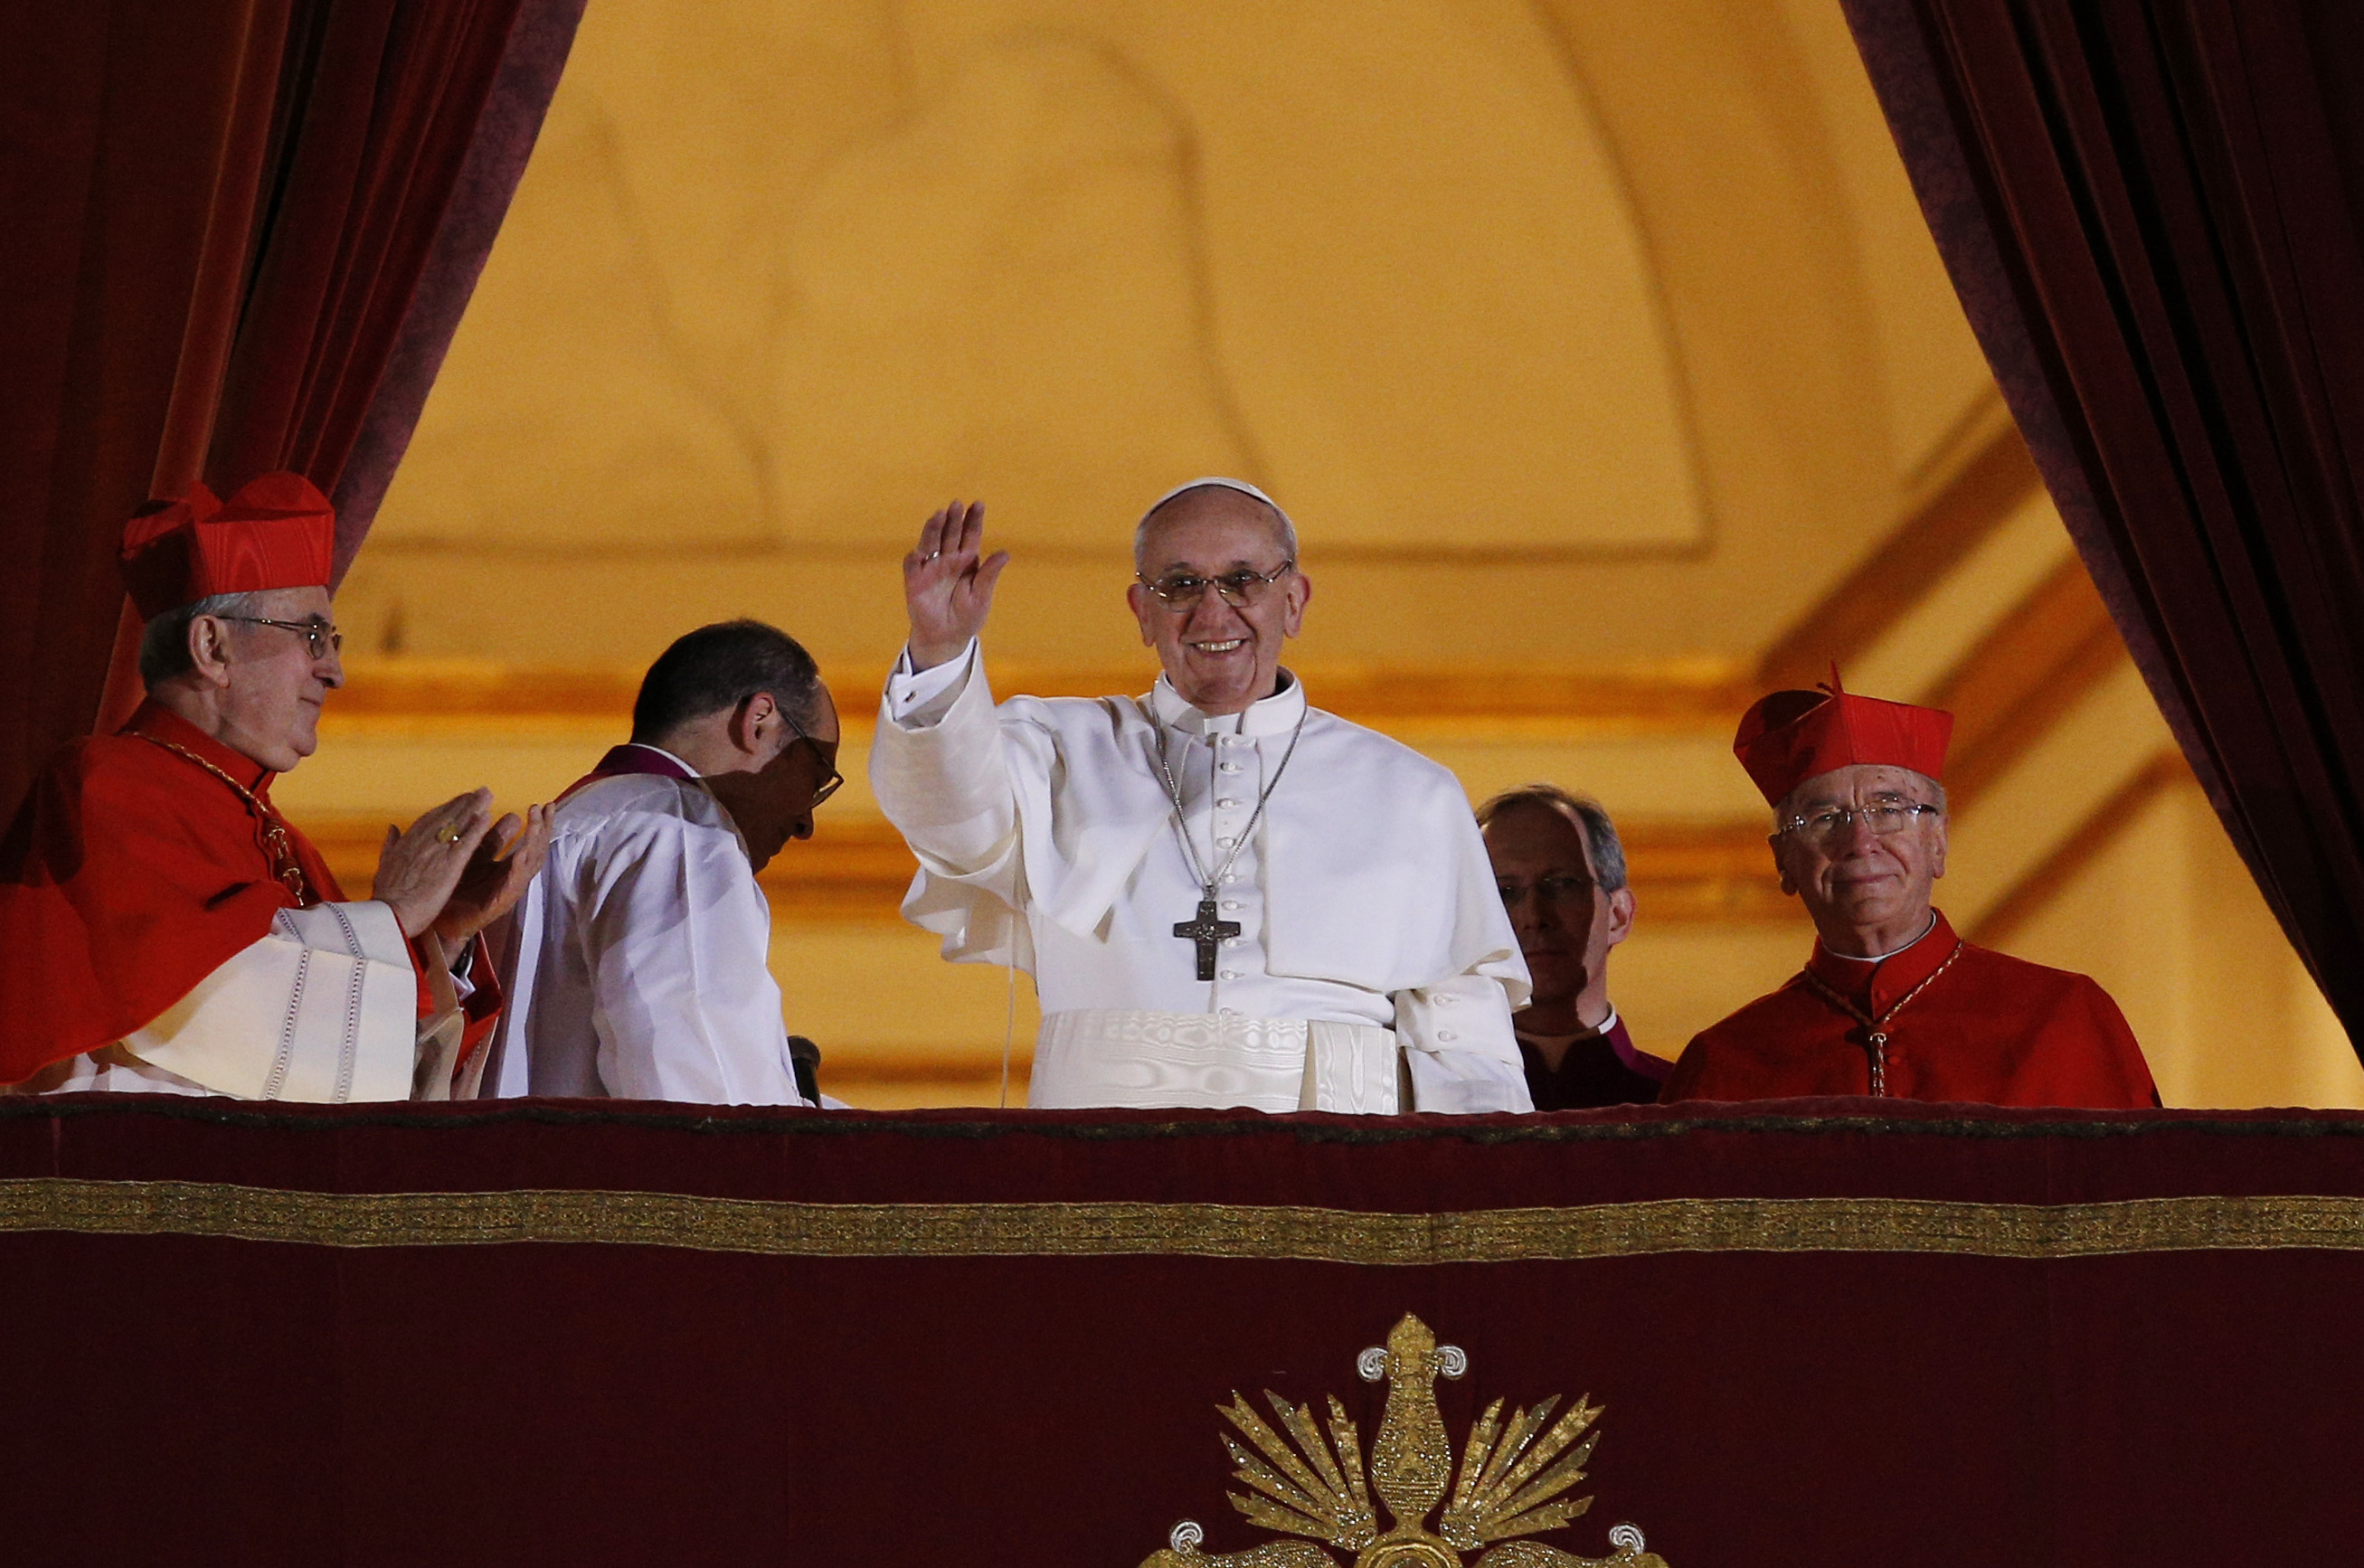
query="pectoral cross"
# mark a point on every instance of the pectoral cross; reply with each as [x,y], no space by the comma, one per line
[1206,931]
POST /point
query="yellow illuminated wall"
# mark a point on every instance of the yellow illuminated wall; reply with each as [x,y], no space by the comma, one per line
[1536,317]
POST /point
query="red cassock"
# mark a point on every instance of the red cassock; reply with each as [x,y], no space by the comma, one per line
[130,874]
[1982,1027]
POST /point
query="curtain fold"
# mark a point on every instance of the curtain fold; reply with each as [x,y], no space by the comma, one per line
[117,126]
[2149,208]
[232,219]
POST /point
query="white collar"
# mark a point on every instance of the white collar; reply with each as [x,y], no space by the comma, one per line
[668,756]
[1276,714]
[1884,957]
[1599,1033]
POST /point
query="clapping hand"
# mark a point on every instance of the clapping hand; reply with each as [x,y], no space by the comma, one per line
[947,588]
[506,860]
[449,870]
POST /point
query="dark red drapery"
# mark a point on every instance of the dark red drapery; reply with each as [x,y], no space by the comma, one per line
[2150,209]
[242,233]
[1848,1333]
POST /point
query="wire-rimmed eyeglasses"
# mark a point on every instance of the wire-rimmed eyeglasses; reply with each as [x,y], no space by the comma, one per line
[319,636]
[1180,590]
[829,785]
[1830,824]
[1557,891]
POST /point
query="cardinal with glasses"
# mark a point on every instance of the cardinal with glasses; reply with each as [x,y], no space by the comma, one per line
[1893,1002]
[163,929]
[1226,896]
[637,965]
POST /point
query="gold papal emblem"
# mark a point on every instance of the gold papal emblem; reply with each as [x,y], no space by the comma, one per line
[1513,1479]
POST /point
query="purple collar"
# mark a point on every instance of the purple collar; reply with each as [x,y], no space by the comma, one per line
[631,758]
[1634,1057]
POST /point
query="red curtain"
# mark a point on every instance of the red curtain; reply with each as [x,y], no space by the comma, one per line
[589,1333]
[241,234]
[2150,209]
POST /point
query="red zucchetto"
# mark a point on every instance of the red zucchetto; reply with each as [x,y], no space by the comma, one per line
[1790,737]
[276,532]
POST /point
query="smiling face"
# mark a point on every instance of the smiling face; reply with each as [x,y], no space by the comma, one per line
[1868,892]
[773,803]
[1219,657]
[270,687]
[1566,922]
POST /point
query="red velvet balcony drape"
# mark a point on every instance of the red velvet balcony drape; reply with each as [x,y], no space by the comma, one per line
[2150,209]
[1843,1332]
[242,232]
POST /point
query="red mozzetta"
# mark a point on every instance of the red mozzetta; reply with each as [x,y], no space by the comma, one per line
[1981,1027]
[129,875]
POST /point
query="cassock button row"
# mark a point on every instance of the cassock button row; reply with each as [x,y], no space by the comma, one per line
[1231,903]
[1447,999]
[1235,974]
[1225,841]
[1229,805]
[1445,1034]
[1229,767]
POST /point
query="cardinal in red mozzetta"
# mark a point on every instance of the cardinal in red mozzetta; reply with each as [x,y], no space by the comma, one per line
[164,929]
[1893,1002]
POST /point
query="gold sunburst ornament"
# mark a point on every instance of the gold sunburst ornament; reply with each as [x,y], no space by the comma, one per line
[1514,1481]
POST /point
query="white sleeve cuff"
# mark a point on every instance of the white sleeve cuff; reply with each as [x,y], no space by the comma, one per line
[916,700]
[323,1008]
[1458,1042]
[1460,1084]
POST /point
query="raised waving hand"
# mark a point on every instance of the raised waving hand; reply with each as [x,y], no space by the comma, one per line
[948,584]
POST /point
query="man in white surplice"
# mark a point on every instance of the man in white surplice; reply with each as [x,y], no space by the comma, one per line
[1341,943]
[636,964]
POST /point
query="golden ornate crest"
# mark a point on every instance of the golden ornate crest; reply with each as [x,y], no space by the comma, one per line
[1512,1481]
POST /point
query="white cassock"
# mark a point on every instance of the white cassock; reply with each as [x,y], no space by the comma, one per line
[1372,952]
[323,1008]
[636,968]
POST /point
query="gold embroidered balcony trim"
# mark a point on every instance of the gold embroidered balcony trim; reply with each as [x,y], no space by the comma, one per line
[1181,1229]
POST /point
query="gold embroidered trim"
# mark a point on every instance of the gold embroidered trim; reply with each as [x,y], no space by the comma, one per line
[1183,1229]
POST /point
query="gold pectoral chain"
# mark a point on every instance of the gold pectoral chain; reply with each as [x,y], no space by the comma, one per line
[1877,1036]
[276,841]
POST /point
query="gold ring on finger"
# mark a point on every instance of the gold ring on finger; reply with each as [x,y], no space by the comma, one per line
[449,835]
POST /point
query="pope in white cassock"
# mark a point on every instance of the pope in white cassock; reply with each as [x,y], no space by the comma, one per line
[1226,896]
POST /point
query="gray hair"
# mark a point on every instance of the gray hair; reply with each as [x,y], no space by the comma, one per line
[1785,810]
[1602,845]
[165,644]
[1141,530]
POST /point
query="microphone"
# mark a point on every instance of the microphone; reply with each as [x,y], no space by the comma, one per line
[804,1059]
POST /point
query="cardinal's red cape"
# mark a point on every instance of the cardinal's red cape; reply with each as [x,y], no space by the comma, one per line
[1991,1029]
[130,874]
